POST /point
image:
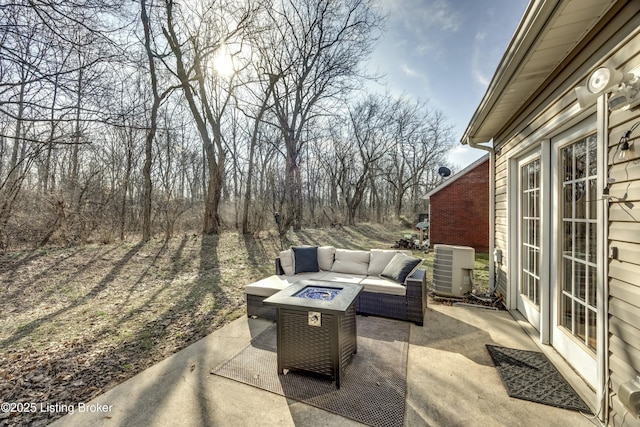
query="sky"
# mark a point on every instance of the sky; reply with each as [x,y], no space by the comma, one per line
[444,52]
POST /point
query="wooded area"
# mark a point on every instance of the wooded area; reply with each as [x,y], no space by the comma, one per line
[159,116]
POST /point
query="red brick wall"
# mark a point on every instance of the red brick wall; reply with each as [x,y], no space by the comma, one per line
[459,213]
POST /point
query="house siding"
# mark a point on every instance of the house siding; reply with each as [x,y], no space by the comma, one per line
[616,39]
[500,233]
[459,212]
[624,270]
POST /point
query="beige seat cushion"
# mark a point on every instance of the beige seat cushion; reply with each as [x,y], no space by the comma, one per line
[326,255]
[295,278]
[379,259]
[286,261]
[342,277]
[351,262]
[383,286]
[266,287]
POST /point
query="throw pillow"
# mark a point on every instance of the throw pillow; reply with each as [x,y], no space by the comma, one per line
[326,254]
[286,261]
[399,267]
[380,258]
[305,259]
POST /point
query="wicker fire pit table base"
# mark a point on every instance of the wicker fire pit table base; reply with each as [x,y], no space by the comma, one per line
[316,323]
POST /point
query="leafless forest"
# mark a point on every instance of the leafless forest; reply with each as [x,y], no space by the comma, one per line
[156,117]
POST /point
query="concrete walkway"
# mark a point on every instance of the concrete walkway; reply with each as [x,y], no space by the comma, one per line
[451,381]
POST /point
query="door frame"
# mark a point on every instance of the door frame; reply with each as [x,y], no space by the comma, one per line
[563,342]
[541,150]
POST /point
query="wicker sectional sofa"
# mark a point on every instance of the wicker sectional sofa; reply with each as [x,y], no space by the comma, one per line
[395,297]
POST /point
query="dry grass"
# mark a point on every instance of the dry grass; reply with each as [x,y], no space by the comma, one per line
[77,321]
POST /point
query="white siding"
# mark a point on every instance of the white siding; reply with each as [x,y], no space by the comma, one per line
[554,109]
[624,271]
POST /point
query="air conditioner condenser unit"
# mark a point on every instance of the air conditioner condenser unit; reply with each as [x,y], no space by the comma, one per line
[453,270]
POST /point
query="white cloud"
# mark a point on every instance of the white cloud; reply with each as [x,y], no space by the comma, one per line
[425,47]
[440,14]
[410,72]
[479,70]
[479,76]
[421,24]
[420,13]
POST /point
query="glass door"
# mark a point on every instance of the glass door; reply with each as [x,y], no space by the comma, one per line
[575,326]
[529,246]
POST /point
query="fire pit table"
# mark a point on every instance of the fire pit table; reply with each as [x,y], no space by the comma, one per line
[316,323]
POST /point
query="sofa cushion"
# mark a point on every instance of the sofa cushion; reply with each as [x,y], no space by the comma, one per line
[400,267]
[326,255]
[351,262]
[379,285]
[305,259]
[292,279]
[331,276]
[379,259]
[266,287]
[286,261]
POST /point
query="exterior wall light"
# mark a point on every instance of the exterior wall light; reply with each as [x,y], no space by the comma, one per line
[624,87]
[626,97]
[623,145]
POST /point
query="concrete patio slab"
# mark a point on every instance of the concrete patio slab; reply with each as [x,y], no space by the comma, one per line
[451,381]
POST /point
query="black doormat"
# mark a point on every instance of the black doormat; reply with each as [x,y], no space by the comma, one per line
[372,390]
[529,375]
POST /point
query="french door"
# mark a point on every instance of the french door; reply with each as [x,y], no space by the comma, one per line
[556,241]
[529,238]
[574,293]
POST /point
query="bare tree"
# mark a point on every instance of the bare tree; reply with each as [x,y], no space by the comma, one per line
[316,48]
[206,93]
[254,136]
[367,123]
[422,138]
[106,136]
[51,91]
[153,120]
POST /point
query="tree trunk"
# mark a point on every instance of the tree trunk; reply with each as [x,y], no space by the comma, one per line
[18,133]
[75,167]
[125,189]
[293,188]
[148,155]
[214,190]
[252,149]
[249,184]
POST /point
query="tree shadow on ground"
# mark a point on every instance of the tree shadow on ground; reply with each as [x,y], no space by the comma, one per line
[157,298]
[258,255]
[338,237]
[88,365]
[13,268]
[24,330]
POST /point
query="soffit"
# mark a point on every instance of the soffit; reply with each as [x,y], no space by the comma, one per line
[546,35]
